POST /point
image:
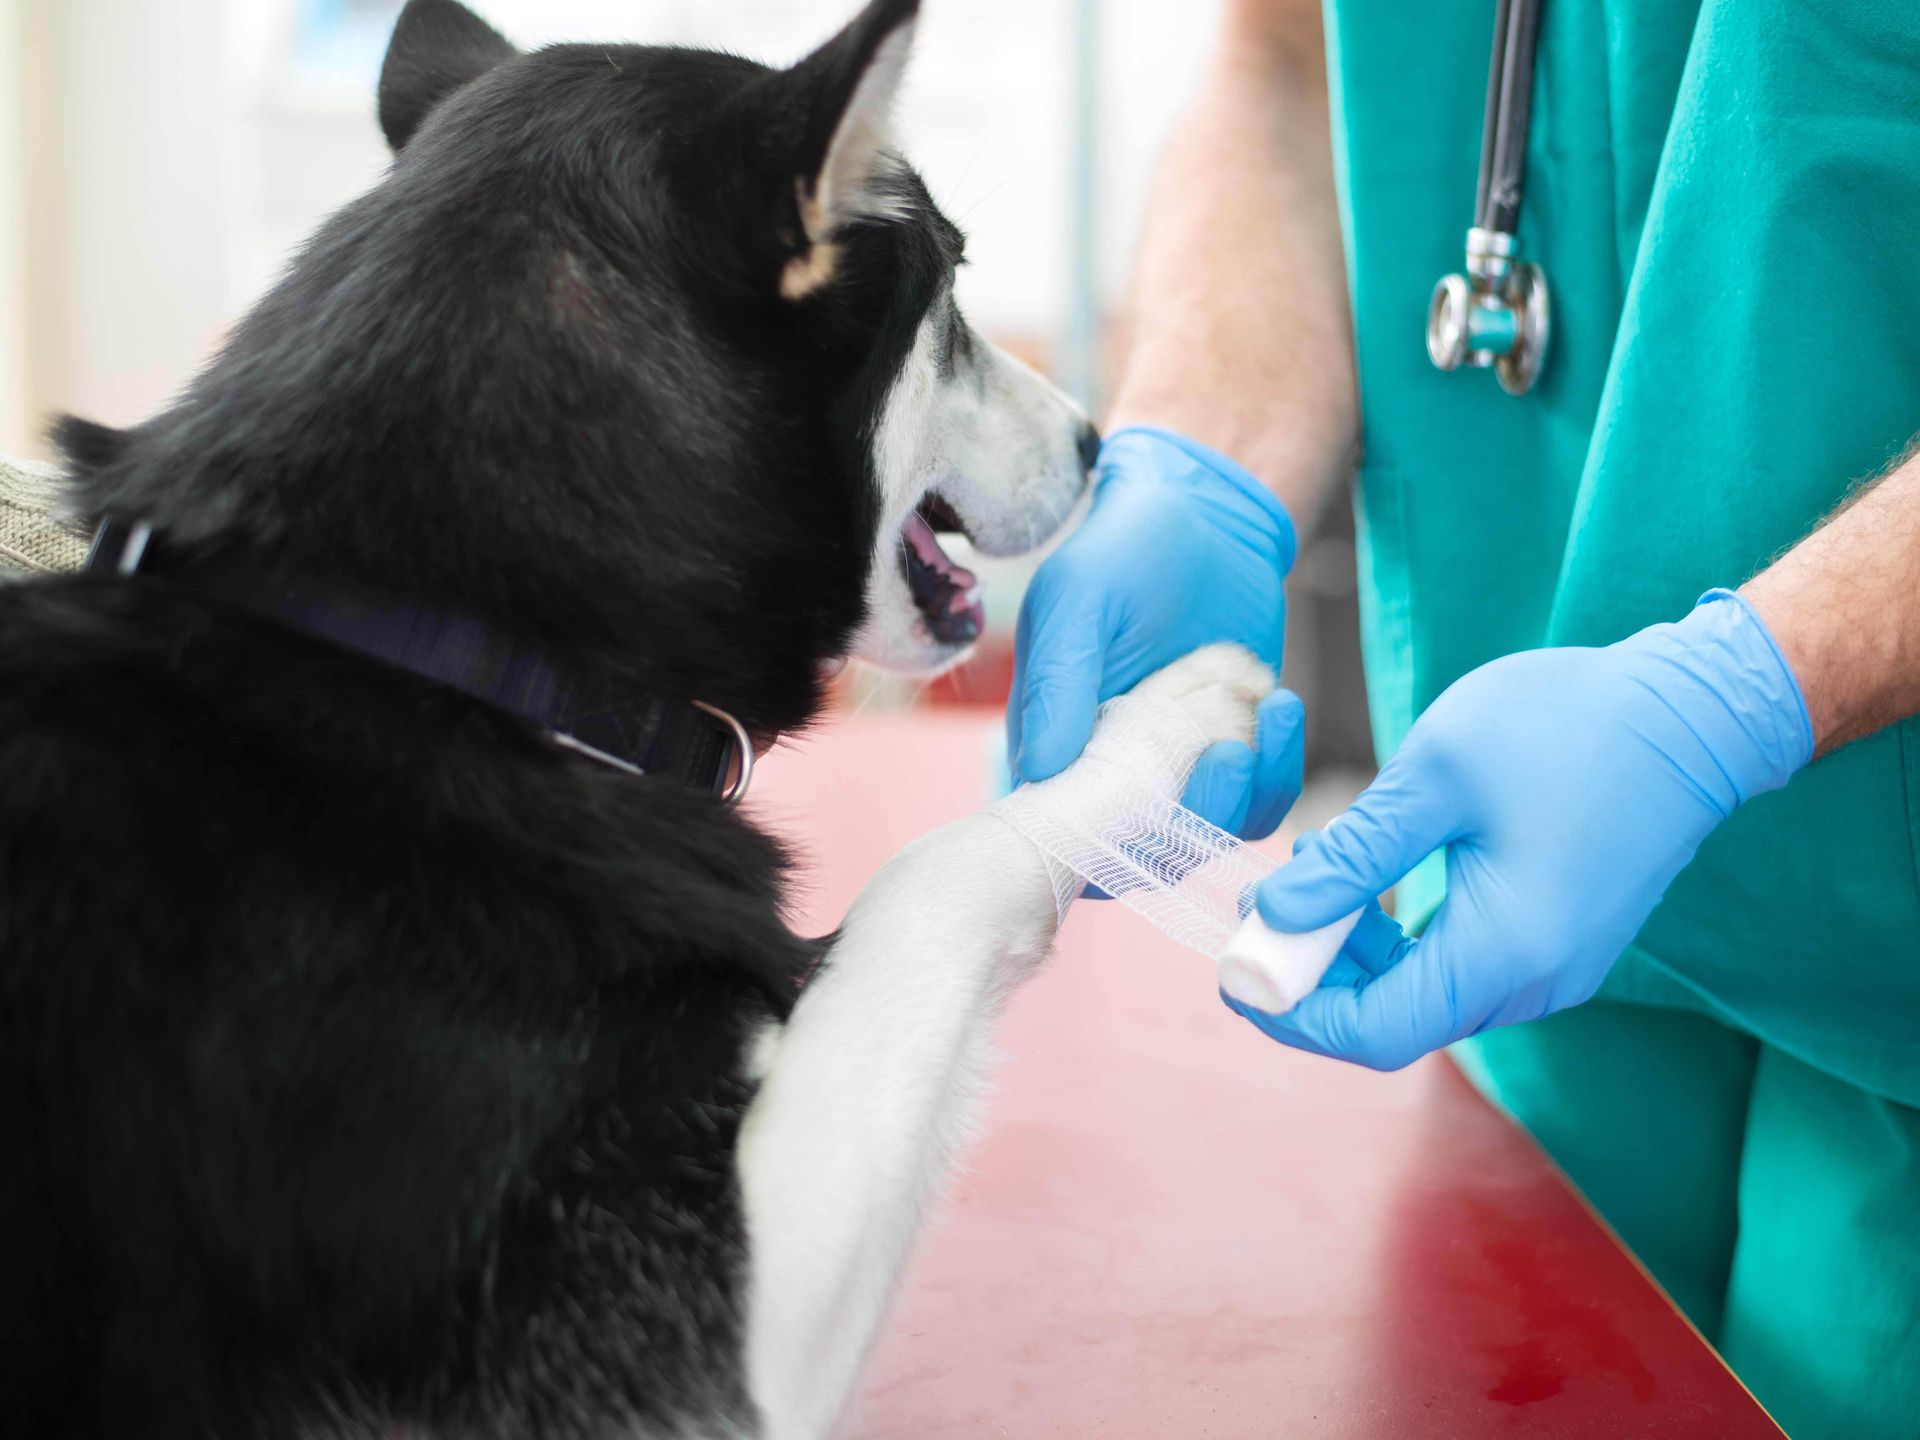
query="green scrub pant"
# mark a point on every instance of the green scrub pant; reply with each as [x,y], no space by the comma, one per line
[1778,1206]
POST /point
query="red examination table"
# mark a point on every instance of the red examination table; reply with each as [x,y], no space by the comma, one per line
[1174,1228]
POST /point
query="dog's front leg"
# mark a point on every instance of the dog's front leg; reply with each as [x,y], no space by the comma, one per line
[868,1093]
[870,1088]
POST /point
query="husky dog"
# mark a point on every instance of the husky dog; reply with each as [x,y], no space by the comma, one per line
[387,1046]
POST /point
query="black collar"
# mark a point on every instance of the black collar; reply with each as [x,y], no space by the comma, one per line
[612,721]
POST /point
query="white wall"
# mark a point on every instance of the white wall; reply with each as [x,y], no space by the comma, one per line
[129,131]
[14,409]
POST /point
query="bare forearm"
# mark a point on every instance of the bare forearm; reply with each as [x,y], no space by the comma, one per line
[1844,605]
[1240,329]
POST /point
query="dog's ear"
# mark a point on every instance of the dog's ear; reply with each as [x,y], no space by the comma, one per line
[87,446]
[437,46]
[842,97]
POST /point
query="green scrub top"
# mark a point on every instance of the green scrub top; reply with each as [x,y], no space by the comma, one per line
[1726,197]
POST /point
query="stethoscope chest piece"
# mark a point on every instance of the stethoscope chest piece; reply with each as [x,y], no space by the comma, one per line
[1499,314]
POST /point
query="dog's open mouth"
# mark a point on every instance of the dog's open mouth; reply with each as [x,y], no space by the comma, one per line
[947,596]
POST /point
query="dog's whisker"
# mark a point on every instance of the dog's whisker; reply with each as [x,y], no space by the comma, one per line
[973,160]
[1005,227]
[1006,181]
[872,694]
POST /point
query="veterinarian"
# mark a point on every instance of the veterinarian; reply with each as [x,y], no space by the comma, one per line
[1704,813]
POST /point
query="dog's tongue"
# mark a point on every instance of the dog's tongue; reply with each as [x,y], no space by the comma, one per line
[948,596]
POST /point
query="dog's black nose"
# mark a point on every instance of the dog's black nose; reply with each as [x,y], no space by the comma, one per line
[1089,446]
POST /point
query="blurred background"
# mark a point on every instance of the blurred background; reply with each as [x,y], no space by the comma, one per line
[160,159]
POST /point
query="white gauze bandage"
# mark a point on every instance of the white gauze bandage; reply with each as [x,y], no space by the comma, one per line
[1114,819]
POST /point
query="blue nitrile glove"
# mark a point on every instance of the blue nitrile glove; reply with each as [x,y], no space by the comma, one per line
[1569,787]
[1182,548]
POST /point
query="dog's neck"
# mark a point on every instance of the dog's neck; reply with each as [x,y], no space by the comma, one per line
[588,712]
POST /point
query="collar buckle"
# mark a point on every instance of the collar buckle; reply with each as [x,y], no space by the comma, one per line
[743,748]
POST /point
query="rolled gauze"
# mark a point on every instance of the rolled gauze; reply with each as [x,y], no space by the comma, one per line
[1274,971]
[1110,820]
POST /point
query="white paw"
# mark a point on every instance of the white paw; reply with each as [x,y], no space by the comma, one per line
[1217,686]
[1159,729]
[1112,818]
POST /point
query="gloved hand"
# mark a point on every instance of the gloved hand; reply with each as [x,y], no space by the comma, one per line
[1569,787]
[1182,548]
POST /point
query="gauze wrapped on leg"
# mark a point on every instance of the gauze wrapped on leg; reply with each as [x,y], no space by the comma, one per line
[1114,819]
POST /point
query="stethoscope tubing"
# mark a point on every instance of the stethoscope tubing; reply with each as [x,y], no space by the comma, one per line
[1503,144]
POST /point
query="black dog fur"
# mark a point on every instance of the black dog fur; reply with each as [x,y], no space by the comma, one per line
[358,1050]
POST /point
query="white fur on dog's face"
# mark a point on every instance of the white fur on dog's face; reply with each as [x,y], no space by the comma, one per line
[1002,447]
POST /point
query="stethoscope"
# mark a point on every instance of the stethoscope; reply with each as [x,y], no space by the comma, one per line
[1498,313]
